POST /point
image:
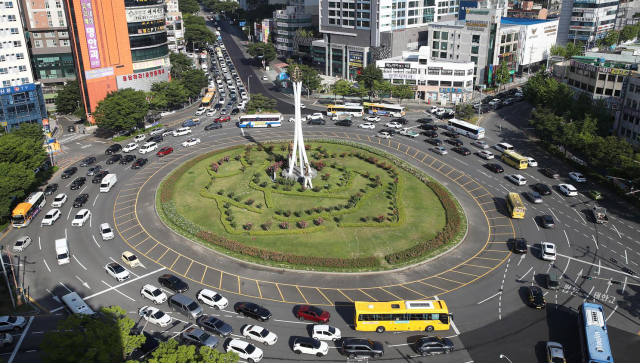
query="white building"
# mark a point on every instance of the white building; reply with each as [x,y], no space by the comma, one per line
[535,41]
[586,20]
[15,66]
[434,80]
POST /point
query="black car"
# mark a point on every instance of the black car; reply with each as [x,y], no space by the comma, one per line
[214,325]
[80,200]
[99,176]
[436,142]
[213,126]
[113,149]
[139,163]
[50,189]
[425,120]
[541,188]
[433,345]
[518,245]
[496,168]
[389,131]
[88,161]
[155,138]
[78,182]
[316,122]
[547,221]
[548,172]
[252,310]
[357,347]
[430,133]
[114,159]
[69,172]
[235,111]
[71,129]
[428,127]
[451,134]
[344,123]
[127,159]
[401,120]
[455,142]
[173,283]
[462,150]
[218,106]
[536,297]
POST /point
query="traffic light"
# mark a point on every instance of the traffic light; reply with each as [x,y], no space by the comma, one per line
[586,277]
[616,283]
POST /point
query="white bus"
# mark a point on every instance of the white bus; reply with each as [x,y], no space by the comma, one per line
[384,109]
[503,146]
[260,120]
[74,304]
[353,109]
[465,128]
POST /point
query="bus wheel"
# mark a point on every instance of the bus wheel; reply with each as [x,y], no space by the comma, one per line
[380,329]
[429,328]
[269,125]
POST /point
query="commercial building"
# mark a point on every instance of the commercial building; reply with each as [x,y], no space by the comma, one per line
[527,10]
[117,44]
[626,10]
[286,23]
[586,20]
[262,30]
[434,80]
[628,123]
[23,103]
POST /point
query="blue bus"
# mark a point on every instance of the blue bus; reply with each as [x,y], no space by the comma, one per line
[594,338]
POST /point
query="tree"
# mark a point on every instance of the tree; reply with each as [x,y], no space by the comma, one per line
[194,80]
[198,35]
[568,51]
[368,76]
[402,92]
[31,132]
[193,20]
[342,88]
[261,102]
[309,76]
[629,32]
[121,110]
[465,112]
[180,63]
[502,74]
[226,7]
[558,50]
[382,88]
[610,39]
[265,51]
[168,95]
[68,98]
[82,338]
[171,351]
[188,6]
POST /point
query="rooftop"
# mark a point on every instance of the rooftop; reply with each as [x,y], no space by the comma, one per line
[597,62]
[524,21]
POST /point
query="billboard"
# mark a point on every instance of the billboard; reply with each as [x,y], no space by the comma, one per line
[355,59]
[90,33]
[265,31]
[142,81]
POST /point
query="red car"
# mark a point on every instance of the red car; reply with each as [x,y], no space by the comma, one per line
[313,313]
[222,119]
[164,151]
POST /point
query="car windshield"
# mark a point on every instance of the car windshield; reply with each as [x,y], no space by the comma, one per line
[158,315]
[217,297]
[315,310]
[19,243]
[132,258]
[557,360]
[79,216]
[332,330]
[218,323]
[264,333]
[250,349]
[155,292]
[204,337]
[12,319]
[193,306]
[117,268]
[106,230]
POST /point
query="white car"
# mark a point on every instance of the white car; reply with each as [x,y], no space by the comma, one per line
[259,334]
[372,118]
[393,125]
[265,78]
[81,217]
[116,271]
[182,131]
[486,154]
[367,125]
[316,116]
[548,252]
[244,96]
[211,112]
[292,119]
[130,147]
[5,339]
[577,177]
[106,232]
[517,179]
[21,244]
[139,138]
[168,132]
[439,150]
[326,332]
[59,200]
[310,346]
[153,293]
[157,131]
[212,298]
[383,135]
[302,105]
[154,316]
[201,111]
[568,190]
[532,162]
[245,350]
[190,142]
[167,113]
[11,322]
[50,217]
[480,144]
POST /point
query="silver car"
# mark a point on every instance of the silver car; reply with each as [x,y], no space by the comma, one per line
[439,150]
[533,197]
[199,338]
[5,339]
[12,323]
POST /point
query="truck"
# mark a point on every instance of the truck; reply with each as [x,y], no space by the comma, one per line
[62,251]
[600,215]
[408,132]
[344,116]
[107,182]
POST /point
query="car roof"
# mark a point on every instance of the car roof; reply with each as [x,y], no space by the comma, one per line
[239,343]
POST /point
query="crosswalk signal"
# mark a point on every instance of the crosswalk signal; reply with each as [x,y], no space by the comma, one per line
[586,277]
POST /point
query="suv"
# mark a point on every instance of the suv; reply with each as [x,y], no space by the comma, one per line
[252,310]
[69,172]
[88,161]
[113,149]
[344,123]
[316,122]
[357,347]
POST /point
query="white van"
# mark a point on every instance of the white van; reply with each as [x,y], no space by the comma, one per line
[74,304]
[148,147]
[503,146]
[62,251]
[107,182]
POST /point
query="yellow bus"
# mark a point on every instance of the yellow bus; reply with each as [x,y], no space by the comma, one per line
[207,100]
[514,159]
[211,88]
[417,315]
[25,212]
[515,206]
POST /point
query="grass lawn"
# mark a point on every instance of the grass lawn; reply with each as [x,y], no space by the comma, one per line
[424,214]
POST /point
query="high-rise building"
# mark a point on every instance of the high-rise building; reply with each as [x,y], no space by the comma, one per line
[626,12]
[586,20]
[287,22]
[175,26]
[117,44]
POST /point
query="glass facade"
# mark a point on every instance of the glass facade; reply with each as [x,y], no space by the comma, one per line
[134,3]
[149,53]
[47,66]
[146,27]
[22,104]
[147,40]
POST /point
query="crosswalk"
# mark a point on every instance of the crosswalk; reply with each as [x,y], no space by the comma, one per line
[65,139]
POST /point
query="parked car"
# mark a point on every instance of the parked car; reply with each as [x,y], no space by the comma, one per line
[139,138]
[253,311]
[313,313]
[11,322]
[214,325]
[155,316]
[199,338]
[244,350]
[433,345]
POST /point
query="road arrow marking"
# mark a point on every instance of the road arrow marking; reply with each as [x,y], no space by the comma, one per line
[54,297]
[84,283]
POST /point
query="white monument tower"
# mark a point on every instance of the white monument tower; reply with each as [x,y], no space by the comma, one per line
[304,169]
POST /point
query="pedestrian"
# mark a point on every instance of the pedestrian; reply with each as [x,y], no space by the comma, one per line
[500,127]
[83,131]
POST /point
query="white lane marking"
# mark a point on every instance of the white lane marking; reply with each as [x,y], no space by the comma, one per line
[69,215]
[490,297]
[534,223]
[588,295]
[116,290]
[39,245]
[85,187]
[68,289]
[45,263]
[613,311]
[124,283]
[291,322]
[554,215]
[565,234]
[580,215]
[521,259]
[596,242]
[95,200]
[508,191]
[599,266]
[395,345]
[74,257]
[614,227]
[94,240]
[83,283]
[24,333]
[626,260]
[521,278]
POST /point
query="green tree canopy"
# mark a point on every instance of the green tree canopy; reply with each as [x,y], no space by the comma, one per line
[402,92]
[194,80]
[261,102]
[173,352]
[188,6]
[342,88]
[502,74]
[226,6]
[168,95]
[568,51]
[180,64]
[198,35]
[121,110]
[382,88]
[191,20]
[612,38]
[68,98]
[368,76]
[629,32]
[310,78]
[266,51]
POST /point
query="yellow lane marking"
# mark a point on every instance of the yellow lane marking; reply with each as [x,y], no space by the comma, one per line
[281,297]
[141,242]
[486,258]
[441,166]
[498,217]
[136,234]
[123,208]
[433,162]
[496,234]
[437,287]
[398,147]
[239,290]
[425,156]
[457,282]
[483,195]
[464,273]
[130,228]
[345,295]
[397,297]
[488,268]
[126,214]
[414,155]
[128,201]
[470,181]
[204,273]
[469,191]
[165,252]
[189,268]
[491,210]
[407,152]
[220,284]
[358,137]
[124,190]
[424,296]
[325,296]
[371,297]
[486,202]
[461,175]
[154,246]
[259,291]
[452,170]
[501,225]
[501,251]
[305,299]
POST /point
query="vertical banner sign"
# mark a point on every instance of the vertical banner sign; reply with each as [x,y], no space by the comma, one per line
[90,33]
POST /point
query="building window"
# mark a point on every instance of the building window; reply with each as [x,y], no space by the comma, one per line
[38,43]
[22,68]
[599,90]
[443,46]
[20,55]
[445,36]
[436,45]
[432,83]
[458,73]
[4,71]
[15,31]
[602,77]
[443,54]
[475,39]
[6,83]
[445,83]
[611,78]
[608,92]
[332,21]
[616,93]
[475,49]
[474,60]
[458,84]
[436,35]
[434,54]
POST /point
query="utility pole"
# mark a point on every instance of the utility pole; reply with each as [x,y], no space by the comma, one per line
[5,276]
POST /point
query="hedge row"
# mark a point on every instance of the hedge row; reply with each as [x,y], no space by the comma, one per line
[221,198]
[401,215]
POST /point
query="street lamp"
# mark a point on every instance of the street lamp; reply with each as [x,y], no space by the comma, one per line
[249,86]
[504,356]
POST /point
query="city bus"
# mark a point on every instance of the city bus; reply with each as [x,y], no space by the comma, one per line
[594,338]
[384,109]
[211,88]
[514,159]
[353,109]
[260,120]
[208,100]
[515,206]
[417,315]
[464,128]
[25,212]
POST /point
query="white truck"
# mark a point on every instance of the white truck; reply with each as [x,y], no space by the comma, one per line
[408,132]
[62,251]
[107,182]
[600,215]
[344,116]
